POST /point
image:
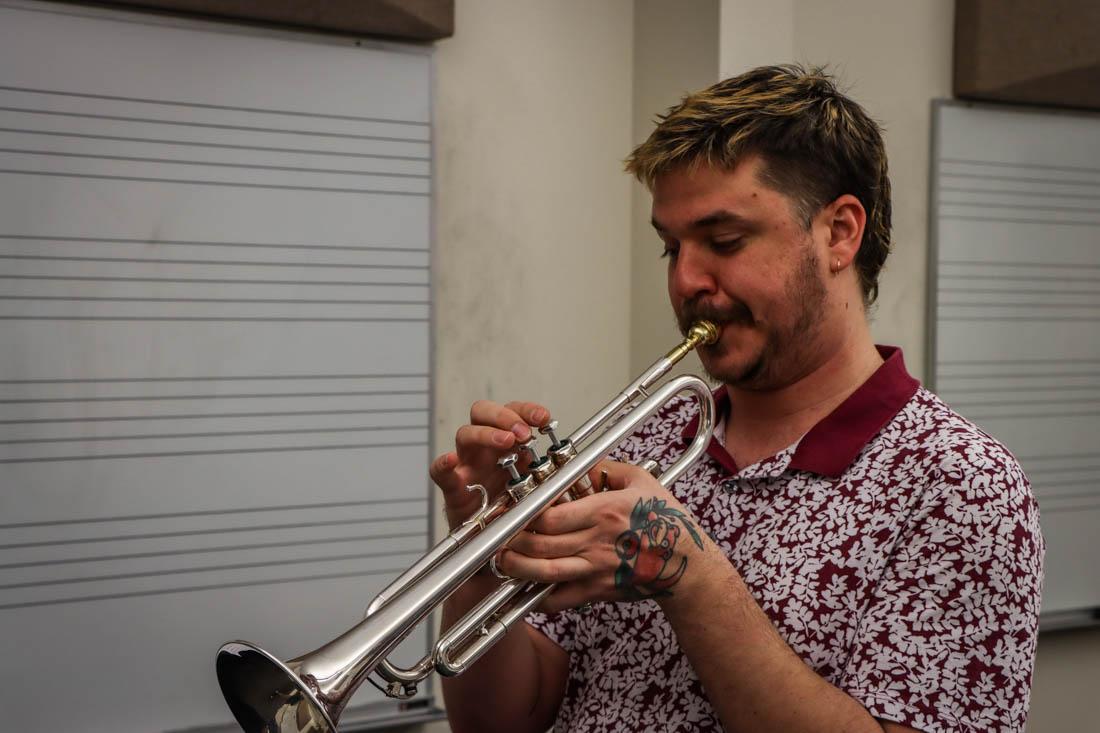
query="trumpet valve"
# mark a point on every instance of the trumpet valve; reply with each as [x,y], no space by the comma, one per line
[549,429]
[542,470]
[519,486]
[529,446]
[508,463]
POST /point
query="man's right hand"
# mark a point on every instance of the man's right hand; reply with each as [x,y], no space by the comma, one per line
[494,431]
[523,676]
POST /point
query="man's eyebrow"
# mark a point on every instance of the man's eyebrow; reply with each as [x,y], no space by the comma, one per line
[722,216]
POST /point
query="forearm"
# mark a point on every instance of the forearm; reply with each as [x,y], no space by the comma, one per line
[512,688]
[752,677]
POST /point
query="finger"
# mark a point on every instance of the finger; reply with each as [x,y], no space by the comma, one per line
[484,412]
[530,412]
[571,516]
[542,570]
[442,468]
[549,546]
[477,437]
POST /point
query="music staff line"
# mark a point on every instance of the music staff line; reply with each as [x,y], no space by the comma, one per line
[225,263]
[1018,179]
[1018,388]
[205,105]
[218,434]
[206,569]
[216,126]
[1031,166]
[218,146]
[209,531]
[1018,220]
[198,243]
[237,451]
[1017,291]
[224,184]
[219,281]
[303,413]
[201,550]
[268,301]
[192,589]
[228,378]
[213,396]
[1014,362]
[1010,192]
[209,513]
[216,164]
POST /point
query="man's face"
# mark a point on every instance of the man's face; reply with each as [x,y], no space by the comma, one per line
[739,255]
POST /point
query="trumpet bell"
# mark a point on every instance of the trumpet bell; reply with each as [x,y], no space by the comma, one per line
[265,694]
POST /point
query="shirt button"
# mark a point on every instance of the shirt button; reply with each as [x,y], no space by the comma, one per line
[730,484]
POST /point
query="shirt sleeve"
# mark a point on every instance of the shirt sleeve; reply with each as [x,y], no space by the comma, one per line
[947,641]
[560,628]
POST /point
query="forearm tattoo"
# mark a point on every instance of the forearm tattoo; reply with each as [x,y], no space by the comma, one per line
[646,550]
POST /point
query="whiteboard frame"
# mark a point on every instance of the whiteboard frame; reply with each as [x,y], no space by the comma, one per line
[1052,621]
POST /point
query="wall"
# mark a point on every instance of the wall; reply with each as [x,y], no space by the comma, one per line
[675,52]
[533,104]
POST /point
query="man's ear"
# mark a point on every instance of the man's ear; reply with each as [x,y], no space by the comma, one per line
[845,219]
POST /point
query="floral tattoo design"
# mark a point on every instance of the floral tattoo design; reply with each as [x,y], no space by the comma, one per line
[646,549]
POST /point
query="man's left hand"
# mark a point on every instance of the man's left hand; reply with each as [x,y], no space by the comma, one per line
[633,541]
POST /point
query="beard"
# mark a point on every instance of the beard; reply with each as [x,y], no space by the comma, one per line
[788,347]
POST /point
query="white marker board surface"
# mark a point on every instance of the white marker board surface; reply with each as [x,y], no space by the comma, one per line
[1015,312]
[214,379]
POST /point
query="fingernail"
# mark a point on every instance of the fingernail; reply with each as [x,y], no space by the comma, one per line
[501,438]
[521,431]
[539,415]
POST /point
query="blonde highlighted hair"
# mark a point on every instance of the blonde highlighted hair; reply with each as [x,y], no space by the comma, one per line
[816,144]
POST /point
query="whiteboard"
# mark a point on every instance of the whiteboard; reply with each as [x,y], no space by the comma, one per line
[1015,312]
[214,380]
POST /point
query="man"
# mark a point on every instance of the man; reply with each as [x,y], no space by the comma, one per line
[851,555]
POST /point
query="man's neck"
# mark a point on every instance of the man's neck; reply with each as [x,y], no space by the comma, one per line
[763,423]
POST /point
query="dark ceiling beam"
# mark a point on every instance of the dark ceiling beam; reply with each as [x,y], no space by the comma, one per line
[412,20]
[1028,52]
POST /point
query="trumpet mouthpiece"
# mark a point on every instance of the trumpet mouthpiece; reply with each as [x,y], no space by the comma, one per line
[703,333]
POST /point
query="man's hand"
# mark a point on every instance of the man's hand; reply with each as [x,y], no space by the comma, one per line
[631,542]
[494,431]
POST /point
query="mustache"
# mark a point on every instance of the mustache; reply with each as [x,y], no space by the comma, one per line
[693,311]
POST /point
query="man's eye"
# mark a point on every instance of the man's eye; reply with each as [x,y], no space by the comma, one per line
[727,245]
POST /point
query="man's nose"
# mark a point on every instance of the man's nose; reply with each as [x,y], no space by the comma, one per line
[690,274]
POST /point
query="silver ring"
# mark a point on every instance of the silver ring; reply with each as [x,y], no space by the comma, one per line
[495,570]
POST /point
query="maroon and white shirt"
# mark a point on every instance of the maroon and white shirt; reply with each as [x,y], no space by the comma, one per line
[896,548]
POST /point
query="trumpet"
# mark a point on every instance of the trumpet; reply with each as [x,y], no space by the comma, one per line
[308,693]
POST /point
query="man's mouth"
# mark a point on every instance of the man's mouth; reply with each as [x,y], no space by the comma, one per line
[736,314]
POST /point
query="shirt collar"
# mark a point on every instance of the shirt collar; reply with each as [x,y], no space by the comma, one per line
[831,445]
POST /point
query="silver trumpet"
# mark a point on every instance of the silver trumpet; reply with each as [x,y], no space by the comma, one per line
[308,693]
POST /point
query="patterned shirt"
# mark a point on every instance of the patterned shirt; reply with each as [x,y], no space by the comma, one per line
[895,547]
